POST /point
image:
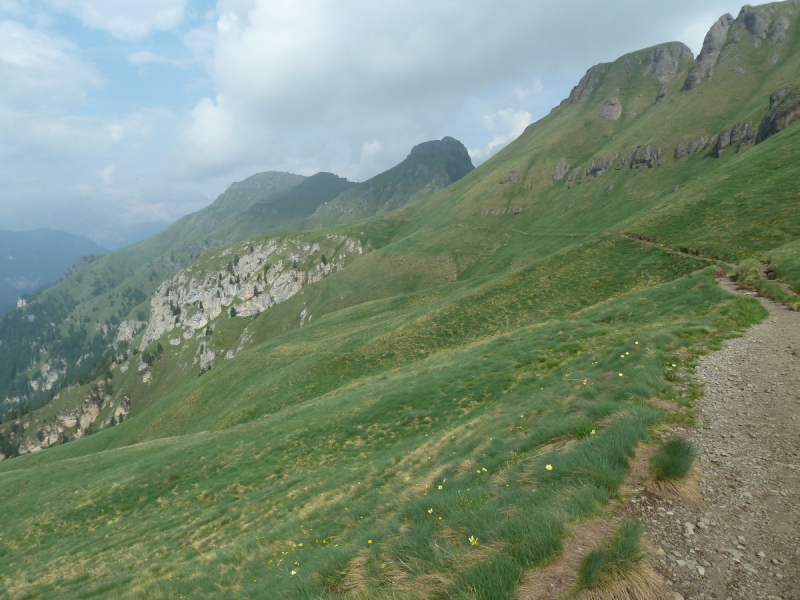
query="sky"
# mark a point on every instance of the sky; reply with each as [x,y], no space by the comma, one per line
[118,112]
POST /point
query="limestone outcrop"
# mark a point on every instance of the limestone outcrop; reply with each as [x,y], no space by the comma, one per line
[784,109]
[695,146]
[587,84]
[713,44]
[562,166]
[665,60]
[611,110]
[600,165]
[755,21]
[261,278]
[778,31]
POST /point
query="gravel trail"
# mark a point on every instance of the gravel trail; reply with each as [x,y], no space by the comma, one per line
[741,537]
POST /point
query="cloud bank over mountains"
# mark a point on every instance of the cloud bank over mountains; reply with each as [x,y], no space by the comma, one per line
[148,109]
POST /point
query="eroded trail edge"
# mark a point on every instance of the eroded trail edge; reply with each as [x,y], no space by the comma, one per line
[742,539]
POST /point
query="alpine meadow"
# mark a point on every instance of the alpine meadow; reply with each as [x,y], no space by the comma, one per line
[413,387]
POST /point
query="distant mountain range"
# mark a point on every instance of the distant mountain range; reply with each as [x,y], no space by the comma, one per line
[32,260]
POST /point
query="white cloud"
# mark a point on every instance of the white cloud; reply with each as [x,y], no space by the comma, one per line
[149,58]
[350,73]
[300,85]
[107,175]
[125,19]
[505,126]
[40,69]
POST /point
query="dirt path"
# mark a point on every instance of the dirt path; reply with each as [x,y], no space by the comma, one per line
[742,539]
[674,251]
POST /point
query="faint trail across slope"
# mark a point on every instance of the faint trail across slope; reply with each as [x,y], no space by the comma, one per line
[673,250]
[743,539]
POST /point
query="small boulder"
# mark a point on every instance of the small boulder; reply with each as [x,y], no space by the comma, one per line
[681,150]
[611,110]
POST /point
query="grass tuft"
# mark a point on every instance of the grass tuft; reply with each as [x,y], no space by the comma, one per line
[673,460]
[602,566]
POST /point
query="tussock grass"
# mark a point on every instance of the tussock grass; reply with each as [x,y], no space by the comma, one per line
[673,459]
[606,564]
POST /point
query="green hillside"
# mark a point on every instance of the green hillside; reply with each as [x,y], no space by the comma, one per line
[430,167]
[288,209]
[420,404]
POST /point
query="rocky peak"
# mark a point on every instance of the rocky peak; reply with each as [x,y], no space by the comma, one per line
[713,44]
[755,21]
[587,84]
[446,145]
[665,60]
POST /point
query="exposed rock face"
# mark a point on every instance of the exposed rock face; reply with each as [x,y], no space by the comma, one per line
[784,110]
[562,166]
[645,155]
[599,166]
[611,110]
[587,84]
[191,301]
[127,331]
[777,32]
[666,61]
[510,177]
[741,133]
[573,175]
[712,46]
[755,21]
[50,373]
[723,141]
[695,146]
[661,95]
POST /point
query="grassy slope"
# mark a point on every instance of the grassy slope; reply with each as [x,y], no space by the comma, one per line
[395,187]
[287,209]
[340,433]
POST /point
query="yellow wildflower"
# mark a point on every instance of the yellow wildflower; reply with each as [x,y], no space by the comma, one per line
[549,467]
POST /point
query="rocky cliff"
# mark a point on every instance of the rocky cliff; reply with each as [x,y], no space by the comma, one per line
[263,276]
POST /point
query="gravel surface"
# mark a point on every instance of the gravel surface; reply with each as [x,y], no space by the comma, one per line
[741,538]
